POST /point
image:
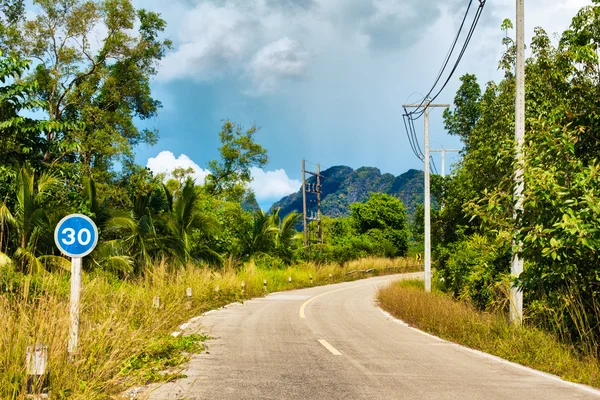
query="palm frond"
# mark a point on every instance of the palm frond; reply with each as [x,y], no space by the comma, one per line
[52,262]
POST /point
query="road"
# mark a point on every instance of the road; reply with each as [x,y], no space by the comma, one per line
[333,342]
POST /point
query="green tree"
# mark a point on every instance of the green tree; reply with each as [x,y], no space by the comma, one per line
[185,218]
[32,221]
[239,152]
[103,87]
[382,217]
[286,235]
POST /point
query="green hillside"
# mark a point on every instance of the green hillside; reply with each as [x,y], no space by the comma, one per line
[342,186]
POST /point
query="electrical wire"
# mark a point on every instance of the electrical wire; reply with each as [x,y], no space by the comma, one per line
[410,116]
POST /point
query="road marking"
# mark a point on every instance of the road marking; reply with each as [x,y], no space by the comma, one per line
[307,302]
[409,275]
[500,360]
[329,347]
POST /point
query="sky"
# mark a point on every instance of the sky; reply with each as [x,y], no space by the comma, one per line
[323,79]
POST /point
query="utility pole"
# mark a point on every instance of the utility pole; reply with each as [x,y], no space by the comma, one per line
[516,268]
[444,151]
[427,257]
[319,230]
[304,226]
[316,190]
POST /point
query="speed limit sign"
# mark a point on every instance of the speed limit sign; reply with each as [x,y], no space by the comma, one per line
[76,235]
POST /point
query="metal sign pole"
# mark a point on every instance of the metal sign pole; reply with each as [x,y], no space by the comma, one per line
[74,310]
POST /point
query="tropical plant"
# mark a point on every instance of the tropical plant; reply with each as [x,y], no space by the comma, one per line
[32,222]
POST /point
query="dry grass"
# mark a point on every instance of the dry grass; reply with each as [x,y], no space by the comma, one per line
[442,316]
[123,340]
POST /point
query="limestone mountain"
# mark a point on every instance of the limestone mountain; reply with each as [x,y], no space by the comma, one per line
[342,186]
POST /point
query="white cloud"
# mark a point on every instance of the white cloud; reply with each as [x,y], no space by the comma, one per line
[279,60]
[267,185]
[212,40]
[165,162]
[272,185]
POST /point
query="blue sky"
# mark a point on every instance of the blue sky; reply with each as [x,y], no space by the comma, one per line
[324,79]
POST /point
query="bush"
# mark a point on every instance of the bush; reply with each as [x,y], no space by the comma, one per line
[474,268]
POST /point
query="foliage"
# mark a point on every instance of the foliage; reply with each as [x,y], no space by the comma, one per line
[459,322]
[239,152]
[558,227]
[383,219]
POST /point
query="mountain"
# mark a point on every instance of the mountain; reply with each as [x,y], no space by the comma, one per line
[342,186]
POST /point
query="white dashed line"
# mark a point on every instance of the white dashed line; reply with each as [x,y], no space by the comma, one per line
[329,347]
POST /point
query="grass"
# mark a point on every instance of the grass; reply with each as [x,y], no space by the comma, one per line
[123,341]
[458,322]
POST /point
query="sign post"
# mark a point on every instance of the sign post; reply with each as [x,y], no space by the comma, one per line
[76,236]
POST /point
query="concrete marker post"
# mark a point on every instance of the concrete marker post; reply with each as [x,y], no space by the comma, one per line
[38,383]
[311,281]
[265,285]
[243,286]
[188,292]
[156,302]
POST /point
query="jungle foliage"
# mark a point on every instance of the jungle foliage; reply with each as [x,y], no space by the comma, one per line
[559,225]
[87,96]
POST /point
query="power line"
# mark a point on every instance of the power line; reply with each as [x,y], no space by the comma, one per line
[418,112]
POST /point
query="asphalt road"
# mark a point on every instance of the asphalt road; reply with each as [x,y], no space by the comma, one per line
[332,342]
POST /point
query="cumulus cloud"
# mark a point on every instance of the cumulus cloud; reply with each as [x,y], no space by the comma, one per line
[272,185]
[212,40]
[165,162]
[279,60]
[267,185]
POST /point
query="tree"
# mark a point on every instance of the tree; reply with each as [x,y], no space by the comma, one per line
[185,218]
[32,221]
[102,86]
[260,237]
[382,217]
[286,234]
[239,153]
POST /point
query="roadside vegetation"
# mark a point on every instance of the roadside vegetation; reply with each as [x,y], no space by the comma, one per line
[473,225]
[124,341]
[74,94]
[491,332]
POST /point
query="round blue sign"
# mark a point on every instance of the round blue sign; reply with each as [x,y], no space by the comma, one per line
[76,235]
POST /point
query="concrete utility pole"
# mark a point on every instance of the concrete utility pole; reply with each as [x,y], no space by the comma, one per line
[316,190]
[304,226]
[427,190]
[444,151]
[516,268]
[319,230]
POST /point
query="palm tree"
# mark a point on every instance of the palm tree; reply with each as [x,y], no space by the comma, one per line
[137,242]
[260,238]
[184,218]
[286,234]
[31,220]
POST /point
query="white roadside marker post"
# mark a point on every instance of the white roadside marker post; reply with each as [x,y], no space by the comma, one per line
[76,236]
[156,302]
[188,292]
[38,384]
[311,281]
[243,286]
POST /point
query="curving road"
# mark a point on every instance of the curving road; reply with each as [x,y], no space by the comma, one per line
[332,342]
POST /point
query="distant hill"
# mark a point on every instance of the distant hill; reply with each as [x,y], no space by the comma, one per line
[342,186]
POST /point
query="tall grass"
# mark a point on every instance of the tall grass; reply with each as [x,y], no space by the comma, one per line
[123,340]
[457,321]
